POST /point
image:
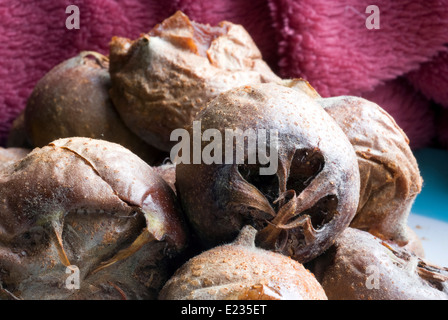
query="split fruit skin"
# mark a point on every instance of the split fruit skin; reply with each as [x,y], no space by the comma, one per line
[299,210]
[72,100]
[361,266]
[89,204]
[162,79]
[241,271]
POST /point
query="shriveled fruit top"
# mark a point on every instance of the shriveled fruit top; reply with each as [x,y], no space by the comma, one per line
[162,79]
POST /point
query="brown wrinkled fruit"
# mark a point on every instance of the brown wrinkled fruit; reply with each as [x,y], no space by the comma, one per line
[90,205]
[241,271]
[72,100]
[390,177]
[361,266]
[161,80]
[300,209]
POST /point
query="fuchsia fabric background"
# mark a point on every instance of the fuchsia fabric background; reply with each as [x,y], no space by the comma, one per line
[403,66]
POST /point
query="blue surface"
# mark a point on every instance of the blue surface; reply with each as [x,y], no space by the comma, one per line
[433,200]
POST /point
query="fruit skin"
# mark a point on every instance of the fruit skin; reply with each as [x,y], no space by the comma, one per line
[162,79]
[414,244]
[10,155]
[389,173]
[72,100]
[168,173]
[390,177]
[241,271]
[92,204]
[301,209]
[361,266]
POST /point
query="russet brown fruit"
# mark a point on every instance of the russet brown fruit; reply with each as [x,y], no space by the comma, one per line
[162,79]
[72,100]
[361,266]
[389,172]
[241,271]
[93,205]
[301,208]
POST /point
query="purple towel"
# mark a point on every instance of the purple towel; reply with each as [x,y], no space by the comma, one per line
[325,42]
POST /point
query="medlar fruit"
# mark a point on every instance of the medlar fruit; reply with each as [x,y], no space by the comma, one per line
[361,266]
[72,100]
[241,271]
[303,206]
[390,177]
[161,80]
[92,206]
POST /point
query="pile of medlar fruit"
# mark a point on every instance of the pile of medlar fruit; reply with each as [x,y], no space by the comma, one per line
[272,193]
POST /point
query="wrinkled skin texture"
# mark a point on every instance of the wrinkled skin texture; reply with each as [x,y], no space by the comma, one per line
[92,204]
[72,100]
[161,80]
[241,271]
[300,209]
[361,266]
[10,155]
[390,177]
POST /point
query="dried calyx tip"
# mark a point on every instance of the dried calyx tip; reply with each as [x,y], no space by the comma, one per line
[99,58]
[246,237]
